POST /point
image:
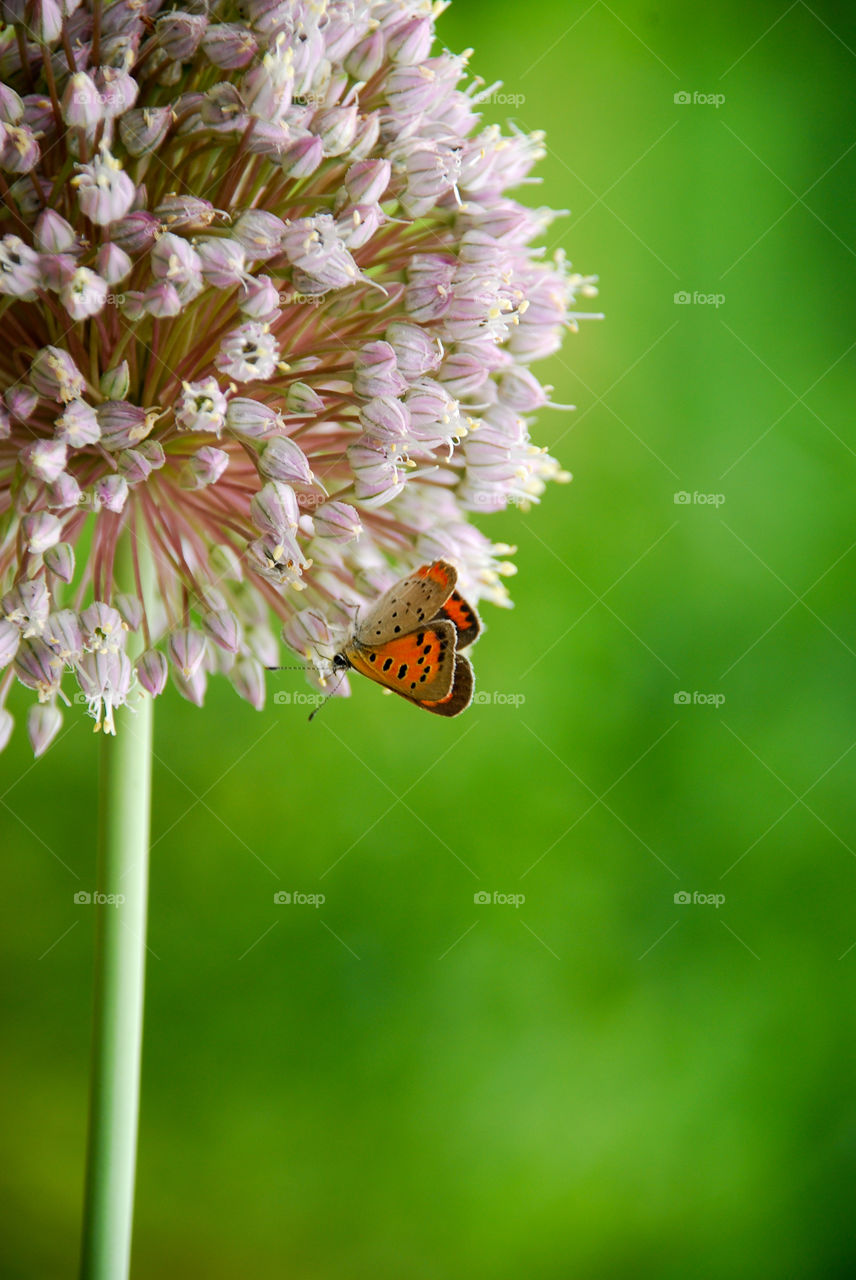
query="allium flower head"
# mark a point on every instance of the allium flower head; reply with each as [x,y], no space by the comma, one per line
[268,319]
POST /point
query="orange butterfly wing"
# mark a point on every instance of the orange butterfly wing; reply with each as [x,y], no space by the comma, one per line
[408,605]
[463,616]
[419,665]
[459,696]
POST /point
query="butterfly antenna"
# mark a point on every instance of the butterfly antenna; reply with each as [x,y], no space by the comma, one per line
[327,697]
[296,667]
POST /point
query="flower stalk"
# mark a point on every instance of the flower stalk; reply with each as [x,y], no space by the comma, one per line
[120,952]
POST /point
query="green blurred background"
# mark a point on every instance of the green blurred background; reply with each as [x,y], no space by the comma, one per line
[600,1082]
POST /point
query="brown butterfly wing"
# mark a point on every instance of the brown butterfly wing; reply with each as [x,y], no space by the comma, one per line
[419,665]
[466,621]
[412,602]
[459,696]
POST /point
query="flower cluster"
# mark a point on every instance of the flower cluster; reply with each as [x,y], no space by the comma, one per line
[268,316]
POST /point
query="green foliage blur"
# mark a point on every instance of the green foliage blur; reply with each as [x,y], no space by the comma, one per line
[599,1082]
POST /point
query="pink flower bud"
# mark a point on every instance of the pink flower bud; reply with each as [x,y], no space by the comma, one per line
[123,425]
[135,232]
[64,633]
[410,42]
[19,151]
[11,106]
[21,401]
[82,107]
[302,400]
[337,520]
[248,680]
[38,667]
[223,627]
[274,510]
[193,687]
[366,58]
[259,298]
[385,418]
[367,180]
[54,374]
[302,158]
[283,459]
[173,258]
[251,417]
[59,559]
[44,459]
[43,724]
[143,131]
[111,492]
[205,467]
[115,383]
[19,269]
[376,372]
[223,262]
[52,233]
[186,649]
[152,671]
[41,531]
[180,34]
[337,128]
[112,263]
[229,45]
[134,466]
[130,609]
[10,637]
[416,351]
[259,233]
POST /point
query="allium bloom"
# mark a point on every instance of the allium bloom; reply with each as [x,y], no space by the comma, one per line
[268,316]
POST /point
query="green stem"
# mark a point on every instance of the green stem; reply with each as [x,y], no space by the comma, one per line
[120,950]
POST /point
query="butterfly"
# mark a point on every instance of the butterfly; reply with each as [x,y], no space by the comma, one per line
[410,641]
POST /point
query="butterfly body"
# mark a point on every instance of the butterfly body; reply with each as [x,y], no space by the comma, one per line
[410,641]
